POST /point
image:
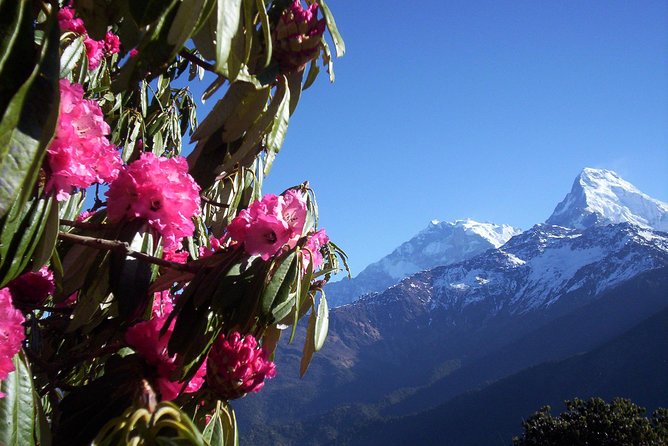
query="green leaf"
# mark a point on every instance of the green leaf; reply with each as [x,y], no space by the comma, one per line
[16,47]
[295,86]
[285,299]
[270,339]
[266,30]
[97,15]
[20,409]
[250,146]
[274,288]
[321,324]
[147,11]
[213,432]
[327,60]
[228,15]
[73,54]
[19,236]
[47,243]
[205,37]
[279,128]
[339,45]
[309,345]
[313,71]
[223,110]
[28,124]
[245,114]
[187,17]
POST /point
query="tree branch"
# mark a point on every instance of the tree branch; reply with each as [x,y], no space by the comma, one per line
[197,61]
[213,203]
[84,224]
[123,248]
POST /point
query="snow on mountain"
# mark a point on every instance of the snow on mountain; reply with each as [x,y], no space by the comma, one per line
[601,196]
[440,243]
[538,267]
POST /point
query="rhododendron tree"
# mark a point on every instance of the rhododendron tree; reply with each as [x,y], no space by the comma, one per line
[145,277]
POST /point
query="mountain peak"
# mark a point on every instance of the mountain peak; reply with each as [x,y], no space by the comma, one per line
[600,197]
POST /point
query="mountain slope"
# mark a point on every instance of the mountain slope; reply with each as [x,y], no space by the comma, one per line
[588,330]
[601,196]
[441,243]
[453,317]
[633,365]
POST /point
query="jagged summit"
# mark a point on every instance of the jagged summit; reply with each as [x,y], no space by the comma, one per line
[600,197]
[440,243]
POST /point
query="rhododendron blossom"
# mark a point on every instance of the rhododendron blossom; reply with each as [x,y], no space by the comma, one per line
[315,243]
[237,365]
[80,154]
[31,289]
[112,43]
[95,49]
[11,333]
[268,224]
[144,337]
[171,254]
[159,190]
[68,22]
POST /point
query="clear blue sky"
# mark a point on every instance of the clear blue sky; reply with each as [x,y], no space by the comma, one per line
[480,109]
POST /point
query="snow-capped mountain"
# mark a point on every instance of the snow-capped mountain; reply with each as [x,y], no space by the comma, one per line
[537,268]
[598,267]
[440,243]
[601,196]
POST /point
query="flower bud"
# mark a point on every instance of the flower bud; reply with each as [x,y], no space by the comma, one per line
[297,36]
[237,366]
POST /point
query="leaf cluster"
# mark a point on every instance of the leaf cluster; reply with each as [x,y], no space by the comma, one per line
[76,377]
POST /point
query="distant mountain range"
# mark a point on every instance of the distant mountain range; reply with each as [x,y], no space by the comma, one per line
[440,243]
[402,362]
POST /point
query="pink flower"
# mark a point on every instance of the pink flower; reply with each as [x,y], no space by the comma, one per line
[144,337]
[270,223]
[80,154]
[85,215]
[297,36]
[315,243]
[159,190]
[11,333]
[30,289]
[95,49]
[134,52]
[172,255]
[68,22]
[112,43]
[214,245]
[94,52]
[237,365]
[163,303]
[294,212]
[266,235]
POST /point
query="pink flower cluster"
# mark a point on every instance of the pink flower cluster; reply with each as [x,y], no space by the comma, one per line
[11,333]
[95,49]
[30,289]
[159,190]
[237,365]
[315,243]
[270,223]
[144,337]
[80,154]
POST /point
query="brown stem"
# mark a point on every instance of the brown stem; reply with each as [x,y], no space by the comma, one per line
[84,224]
[213,203]
[123,248]
[196,60]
